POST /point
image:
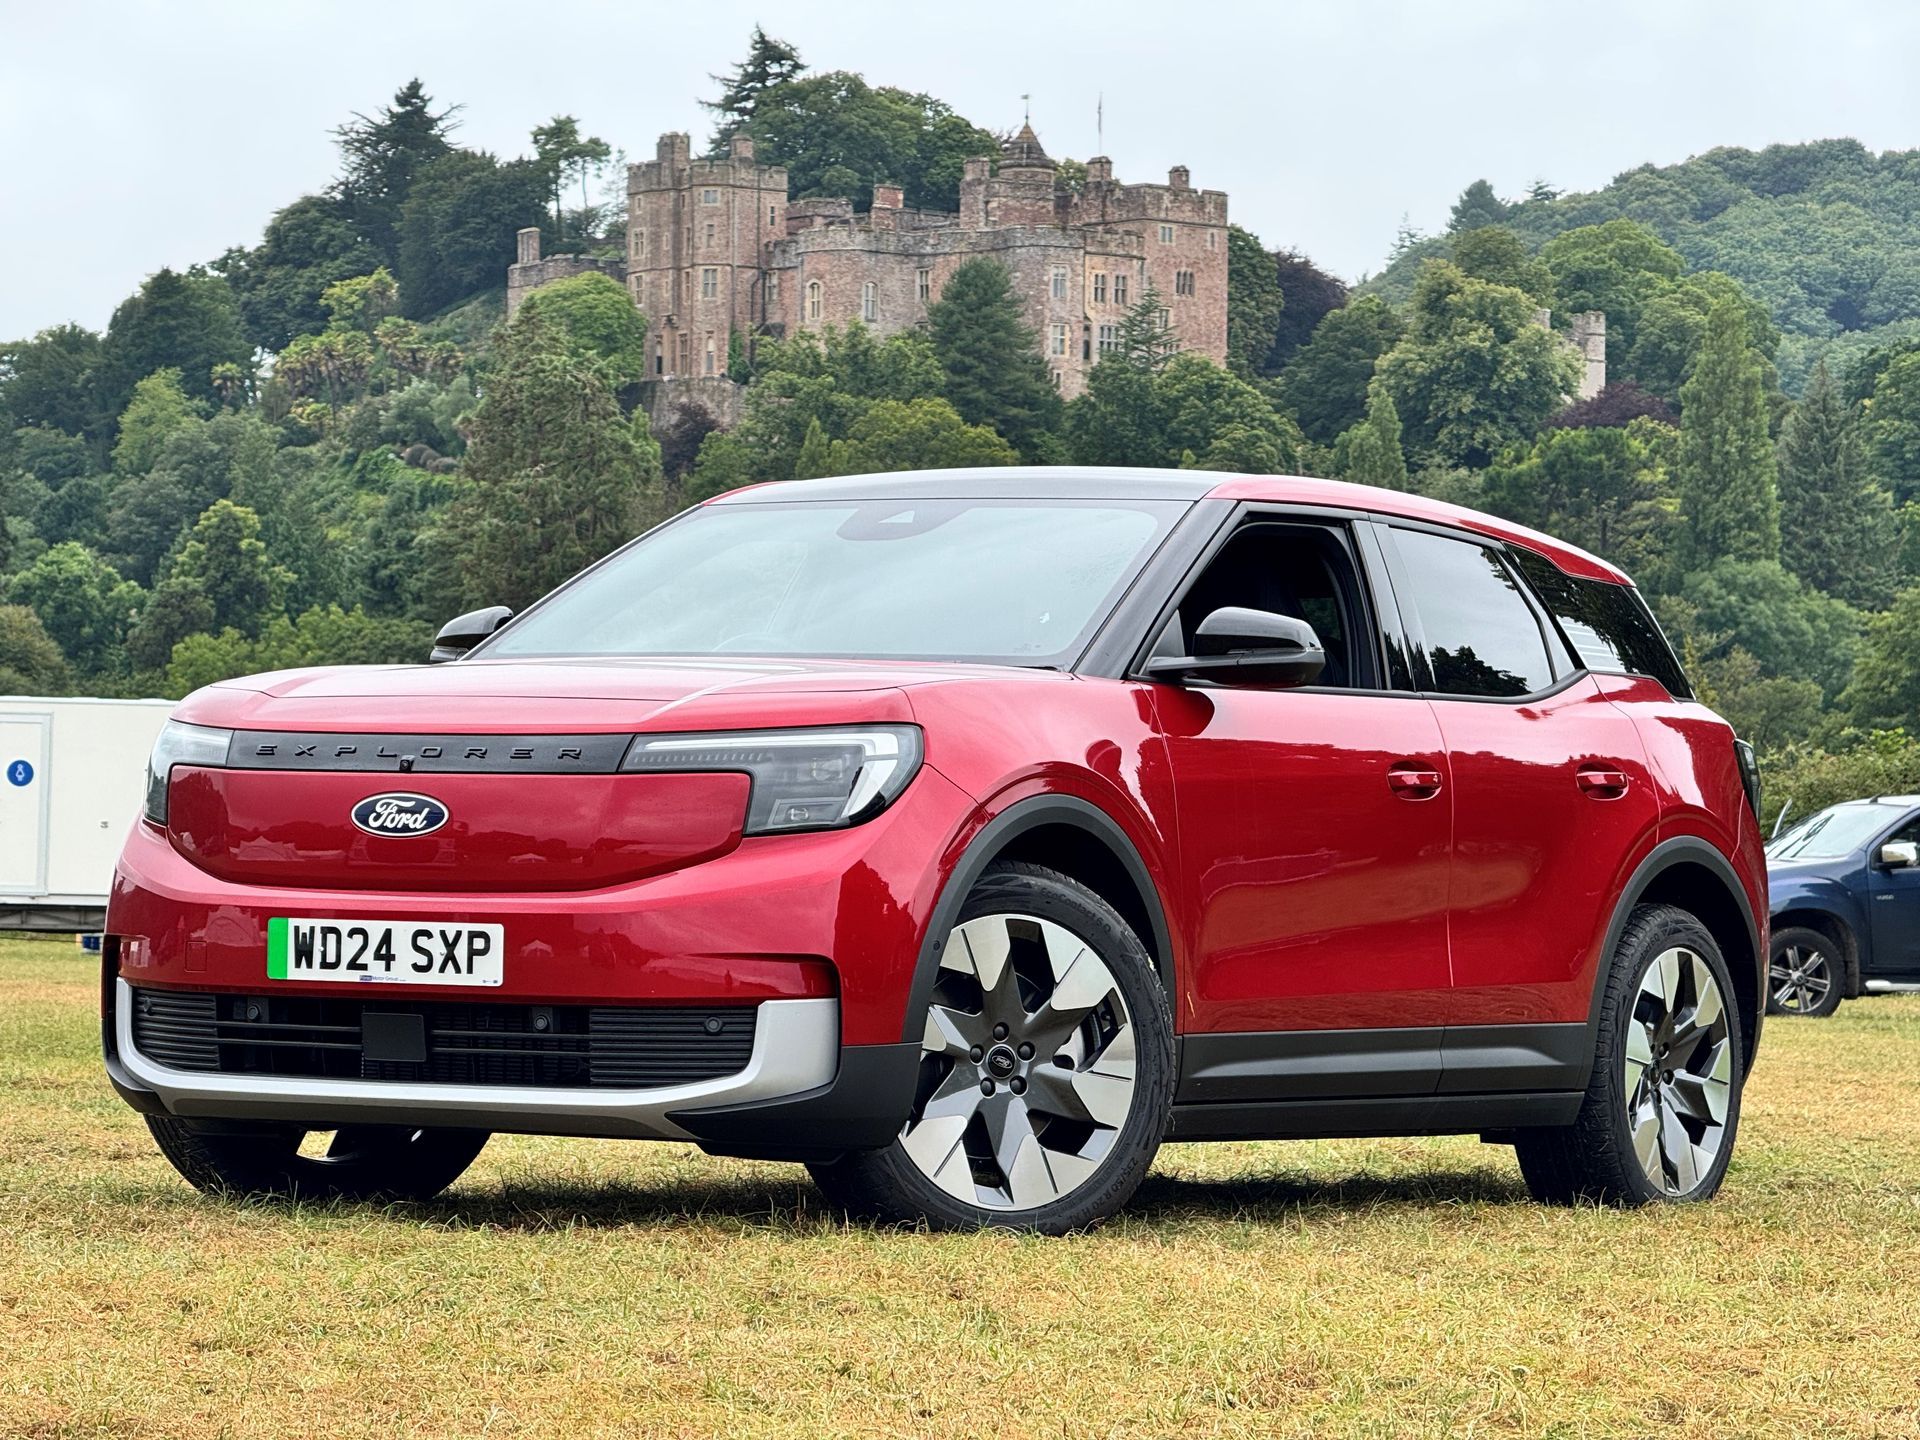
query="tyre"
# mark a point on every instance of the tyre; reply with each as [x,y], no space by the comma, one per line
[1046,1072]
[359,1163]
[1658,1119]
[1805,973]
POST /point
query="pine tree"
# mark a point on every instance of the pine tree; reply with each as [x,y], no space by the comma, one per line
[769,63]
[1729,499]
[1835,516]
[994,374]
[1374,455]
[1146,340]
[816,454]
[383,154]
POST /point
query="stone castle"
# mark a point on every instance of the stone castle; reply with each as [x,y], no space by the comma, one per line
[717,254]
[717,250]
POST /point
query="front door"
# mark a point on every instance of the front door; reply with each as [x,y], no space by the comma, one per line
[1893,910]
[1314,823]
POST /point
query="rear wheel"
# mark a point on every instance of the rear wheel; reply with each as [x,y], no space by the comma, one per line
[355,1162]
[1046,1070]
[1804,973]
[1663,1103]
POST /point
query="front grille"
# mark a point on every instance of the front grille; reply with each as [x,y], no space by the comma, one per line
[442,1042]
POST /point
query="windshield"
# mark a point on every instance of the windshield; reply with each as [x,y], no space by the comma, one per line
[1000,581]
[1834,832]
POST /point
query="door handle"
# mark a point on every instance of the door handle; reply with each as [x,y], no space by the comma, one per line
[1414,780]
[1602,783]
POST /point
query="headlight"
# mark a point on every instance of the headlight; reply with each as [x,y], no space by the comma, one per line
[180,744]
[802,779]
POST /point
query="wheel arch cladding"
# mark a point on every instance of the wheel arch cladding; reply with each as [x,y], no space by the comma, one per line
[1691,875]
[1063,833]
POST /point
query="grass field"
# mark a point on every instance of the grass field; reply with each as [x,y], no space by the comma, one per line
[596,1288]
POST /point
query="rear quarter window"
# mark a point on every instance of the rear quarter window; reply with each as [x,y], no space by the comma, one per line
[1608,626]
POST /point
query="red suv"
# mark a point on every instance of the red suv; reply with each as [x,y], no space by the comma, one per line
[966,835]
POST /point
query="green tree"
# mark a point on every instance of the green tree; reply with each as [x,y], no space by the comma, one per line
[361,302]
[1840,517]
[189,323]
[1886,677]
[323,635]
[382,154]
[1308,295]
[1146,340]
[1495,254]
[1893,425]
[1616,267]
[1188,412]
[1728,495]
[994,374]
[1325,386]
[226,557]
[564,154]
[1793,631]
[30,662]
[84,604]
[307,247]
[816,453]
[458,226]
[1255,303]
[1371,450]
[158,408]
[176,609]
[1474,373]
[555,475]
[594,314]
[924,434]
[770,63]
[1604,488]
[1477,206]
[49,381]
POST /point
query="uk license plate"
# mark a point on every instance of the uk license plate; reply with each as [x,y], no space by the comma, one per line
[384,952]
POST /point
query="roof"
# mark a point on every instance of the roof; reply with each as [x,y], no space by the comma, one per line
[1025,149]
[1087,482]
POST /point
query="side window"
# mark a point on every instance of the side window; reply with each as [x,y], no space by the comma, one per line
[1607,625]
[1481,635]
[1306,571]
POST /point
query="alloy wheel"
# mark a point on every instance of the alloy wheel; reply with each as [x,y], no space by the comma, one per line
[1800,977]
[1679,1071]
[1027,1066]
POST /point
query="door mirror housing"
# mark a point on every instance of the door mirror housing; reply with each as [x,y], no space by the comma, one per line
[461,634]
[1900,854]
[1238,646]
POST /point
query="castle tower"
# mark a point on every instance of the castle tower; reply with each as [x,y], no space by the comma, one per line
[698,233]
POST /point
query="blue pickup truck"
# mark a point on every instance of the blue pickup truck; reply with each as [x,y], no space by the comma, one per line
[1845,886]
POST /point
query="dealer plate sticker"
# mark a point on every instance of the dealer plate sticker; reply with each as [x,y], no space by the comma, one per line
[384,952]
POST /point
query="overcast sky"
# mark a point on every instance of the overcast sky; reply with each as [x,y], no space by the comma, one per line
[160,132]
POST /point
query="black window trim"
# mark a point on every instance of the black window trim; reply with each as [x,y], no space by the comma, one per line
[1562,660]
[1639,602]
[1146,621]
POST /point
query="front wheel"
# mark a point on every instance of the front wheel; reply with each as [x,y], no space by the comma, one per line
[1046,1070]
[1662,1105]
[353,1163]
[1804,973]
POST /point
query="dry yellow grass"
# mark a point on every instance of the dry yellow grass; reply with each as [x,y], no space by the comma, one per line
[1334,1289]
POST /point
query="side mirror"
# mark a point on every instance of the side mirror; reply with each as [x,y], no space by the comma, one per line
[460,635]
[1237,646]
[1900,854]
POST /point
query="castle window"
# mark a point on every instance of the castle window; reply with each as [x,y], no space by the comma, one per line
[1100,288]
[923,285]
[1056,379]
[1183,282]
[1059,282]
[712,230]
[773,217]
[659,360]
[1119,289]
[869,301]
[1166,234]
[1213,239]
[685,348]
[709,283]
[1166,318]
[709,197]
[813,300]
[639,244]
[1109,339]
[773,286]
[1057,341]
[710,355]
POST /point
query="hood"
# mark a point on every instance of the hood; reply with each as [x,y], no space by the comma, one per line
[578,696]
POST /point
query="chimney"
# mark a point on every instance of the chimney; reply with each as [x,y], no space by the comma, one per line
[887,201]
[529,244]
[1099,170]
[1180,178]
[740,147]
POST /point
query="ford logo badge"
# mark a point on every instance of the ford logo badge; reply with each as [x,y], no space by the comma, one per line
[399,813]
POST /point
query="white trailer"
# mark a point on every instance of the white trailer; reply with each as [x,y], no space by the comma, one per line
[72,778]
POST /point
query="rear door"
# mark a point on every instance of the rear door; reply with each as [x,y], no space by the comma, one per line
[1552,805]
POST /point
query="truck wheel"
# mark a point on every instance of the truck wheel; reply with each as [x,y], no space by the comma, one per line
[1046,1071]
[362,1162]
[1658,1119]
[1804,974]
